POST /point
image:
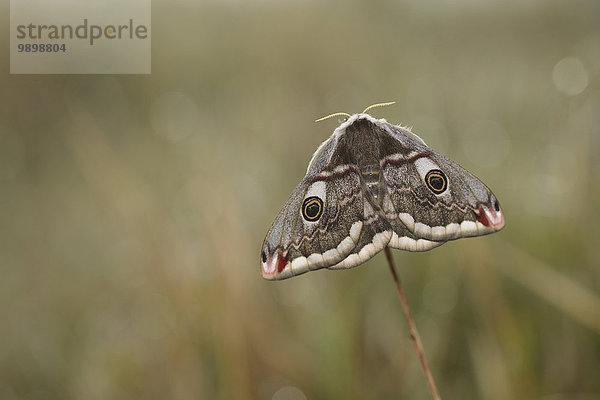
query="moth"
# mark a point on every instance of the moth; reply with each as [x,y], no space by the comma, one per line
[374,184]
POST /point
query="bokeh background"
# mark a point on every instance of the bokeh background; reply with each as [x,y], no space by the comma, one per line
[133,208]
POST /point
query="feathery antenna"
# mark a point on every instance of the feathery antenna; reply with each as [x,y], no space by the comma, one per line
[333,115]
[337,114]
[389,103]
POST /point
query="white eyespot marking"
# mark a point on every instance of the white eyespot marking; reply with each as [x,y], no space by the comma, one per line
[318,189]
[436,181]
[410,244]
[312,209]
[424,165]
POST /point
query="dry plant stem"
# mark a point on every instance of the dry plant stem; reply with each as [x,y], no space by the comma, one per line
[414,334]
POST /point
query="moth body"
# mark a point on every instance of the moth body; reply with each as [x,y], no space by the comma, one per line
[374,184]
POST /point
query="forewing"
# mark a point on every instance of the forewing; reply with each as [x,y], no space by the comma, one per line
[463,206]
[295,245]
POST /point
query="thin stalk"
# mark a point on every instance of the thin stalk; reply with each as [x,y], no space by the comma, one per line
[414,334]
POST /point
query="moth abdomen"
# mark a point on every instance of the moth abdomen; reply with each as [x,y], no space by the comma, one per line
[371,178]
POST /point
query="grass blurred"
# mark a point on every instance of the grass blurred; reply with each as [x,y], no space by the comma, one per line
[133,208]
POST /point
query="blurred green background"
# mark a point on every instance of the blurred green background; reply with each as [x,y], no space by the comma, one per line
[133,208]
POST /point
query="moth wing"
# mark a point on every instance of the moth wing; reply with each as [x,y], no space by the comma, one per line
[295,244]
[462,207]
[375,234]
